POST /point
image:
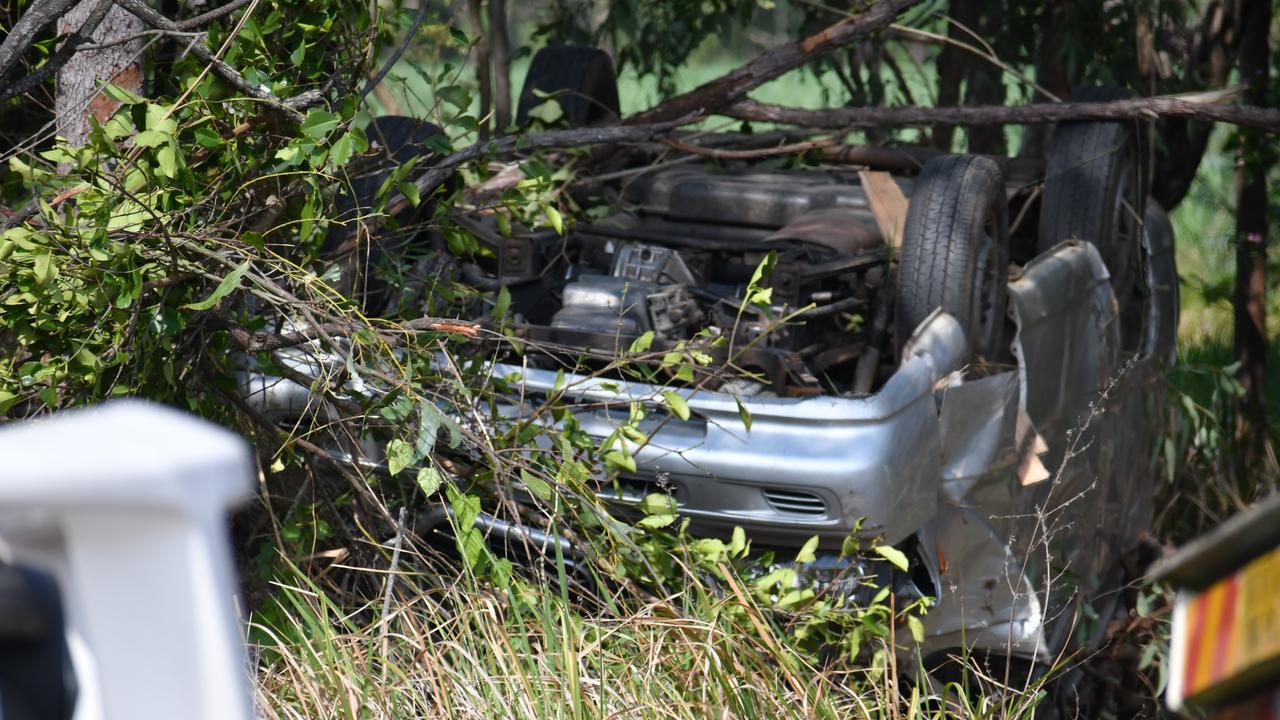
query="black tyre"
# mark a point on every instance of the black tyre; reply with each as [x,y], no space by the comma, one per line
[1095,188]
[955,251]
[393,140]
[581,79]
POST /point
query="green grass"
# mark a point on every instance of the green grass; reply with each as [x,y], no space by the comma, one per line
[456,647]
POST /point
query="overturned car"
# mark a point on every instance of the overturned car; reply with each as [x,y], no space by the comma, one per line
[985,399]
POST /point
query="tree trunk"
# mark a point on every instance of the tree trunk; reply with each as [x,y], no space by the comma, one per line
[80,82]
[500,45]
[1183,142]
[1251,237]
[952,63]
[985,84]
[475,16]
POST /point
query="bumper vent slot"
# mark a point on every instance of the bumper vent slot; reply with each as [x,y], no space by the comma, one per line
[797,502]
[632,489]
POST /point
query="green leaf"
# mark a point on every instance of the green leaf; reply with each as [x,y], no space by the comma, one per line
[228,284]
[744,414]
[916,626]
[410,191]
[677,404]
[850,546]
[319,123]
[430,480]
[44,270]
[738,543]
[893,555]
[658,504]
[807,551]
[167,157]
[536,486]
[399,456]
[653,522]
[554,217]
[341,151]
[794,597]
[150,138]
[621,460]
[456,96]
[120,95]
[763,269]
[642,343]
[7,400]
[501,305]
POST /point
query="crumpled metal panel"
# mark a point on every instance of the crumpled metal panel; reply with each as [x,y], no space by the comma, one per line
[1096,411]
[986,600]
[1068,349]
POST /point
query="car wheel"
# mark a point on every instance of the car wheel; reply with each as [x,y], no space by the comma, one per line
[582,79]
[955,251]
[396,140]
[1094,190]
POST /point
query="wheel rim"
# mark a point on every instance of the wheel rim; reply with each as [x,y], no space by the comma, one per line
[986,294]
[1124,227]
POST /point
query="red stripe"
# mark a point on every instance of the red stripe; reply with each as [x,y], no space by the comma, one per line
[1226,629]
[1195,612]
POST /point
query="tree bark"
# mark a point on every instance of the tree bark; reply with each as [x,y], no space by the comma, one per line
[85,73]
[500,44]
[735,85]
[1260,118]
[1251,238]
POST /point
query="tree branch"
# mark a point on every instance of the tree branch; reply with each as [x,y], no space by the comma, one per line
[63,54]
[23,32]
[734,86]
[1266,119]
[213,14]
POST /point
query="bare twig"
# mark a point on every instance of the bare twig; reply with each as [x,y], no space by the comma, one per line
[1267,119]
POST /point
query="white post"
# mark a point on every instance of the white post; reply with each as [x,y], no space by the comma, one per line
[126,505]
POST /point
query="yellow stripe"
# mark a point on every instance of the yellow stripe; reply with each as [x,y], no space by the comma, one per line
[1212,609]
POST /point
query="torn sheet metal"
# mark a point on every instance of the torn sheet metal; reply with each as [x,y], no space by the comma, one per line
[986,600]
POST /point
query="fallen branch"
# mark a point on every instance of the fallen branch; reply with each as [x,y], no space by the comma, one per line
[721,154]
[261,341]
[440,172]
[734,86]
[1266,119]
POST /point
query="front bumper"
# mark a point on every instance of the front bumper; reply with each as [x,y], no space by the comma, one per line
[825,466]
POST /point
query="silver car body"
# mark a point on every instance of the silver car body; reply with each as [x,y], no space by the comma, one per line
[1020,486]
